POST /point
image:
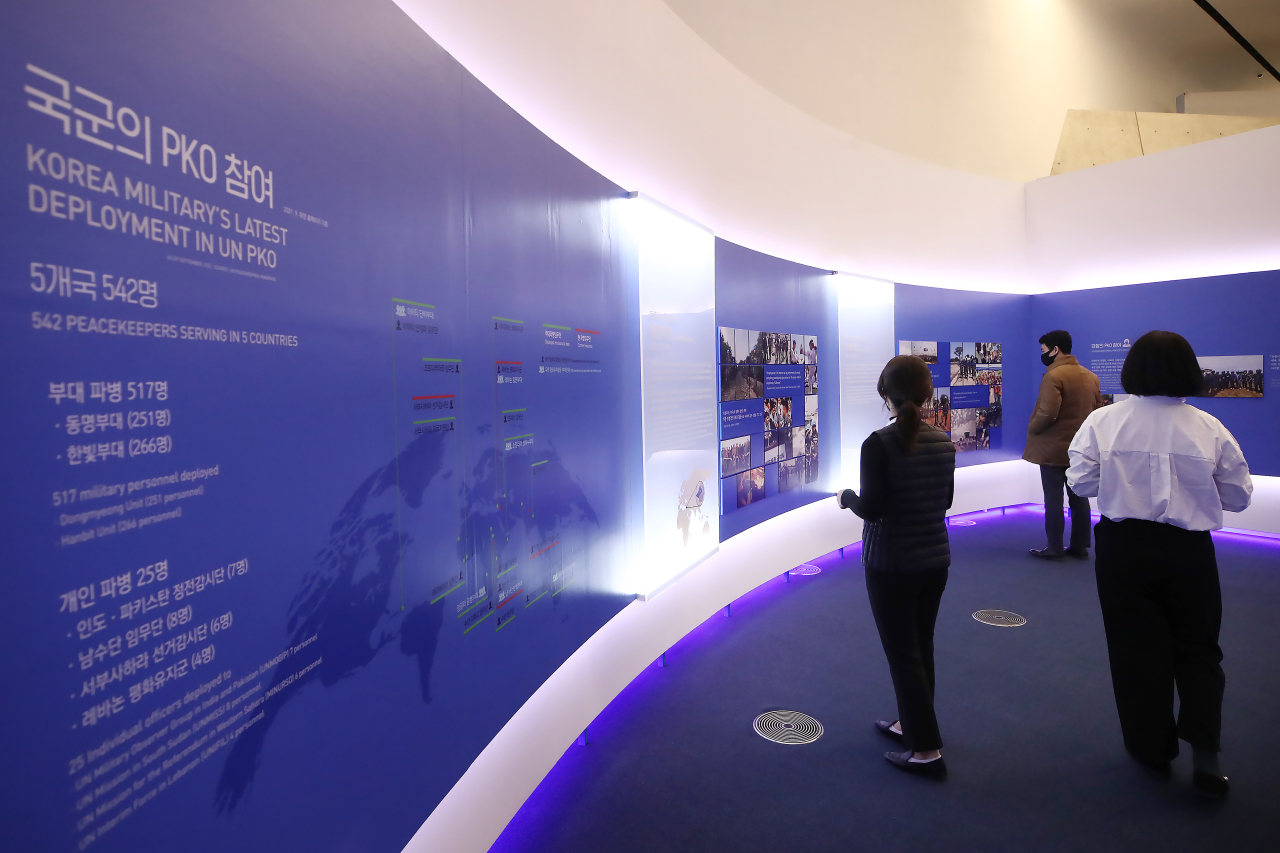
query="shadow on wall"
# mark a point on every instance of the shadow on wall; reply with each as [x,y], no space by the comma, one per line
[345,614]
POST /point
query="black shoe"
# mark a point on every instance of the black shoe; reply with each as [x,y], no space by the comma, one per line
[902,760]
[1078,553]
[1160,768]
[1211,783]
[1046,554]
[887,727]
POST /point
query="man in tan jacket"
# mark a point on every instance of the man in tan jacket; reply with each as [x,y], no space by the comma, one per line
[1068,393]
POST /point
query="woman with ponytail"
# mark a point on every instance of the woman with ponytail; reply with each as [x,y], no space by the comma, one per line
[908,476]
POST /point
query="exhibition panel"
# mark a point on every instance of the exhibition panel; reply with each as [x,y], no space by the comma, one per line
[983,358]
[323,448]
[967,390]
[774,319]
[1227,319]
[866,345]
[678,387]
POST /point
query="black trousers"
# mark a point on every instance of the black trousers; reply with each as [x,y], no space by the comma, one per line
[1053,479]
[905,607]
[1162,609]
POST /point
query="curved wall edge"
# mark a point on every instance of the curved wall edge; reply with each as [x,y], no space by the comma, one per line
[475,811]
[630,89]
[627,87]
[1263,515]
[478,808]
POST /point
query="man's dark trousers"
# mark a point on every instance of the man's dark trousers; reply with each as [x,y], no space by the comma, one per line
[1053,478]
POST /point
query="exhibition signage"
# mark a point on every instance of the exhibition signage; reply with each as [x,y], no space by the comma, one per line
[1228,321]
[318,455]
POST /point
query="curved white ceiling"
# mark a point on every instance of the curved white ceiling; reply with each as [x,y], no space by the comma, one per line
[983,85]
[629,88]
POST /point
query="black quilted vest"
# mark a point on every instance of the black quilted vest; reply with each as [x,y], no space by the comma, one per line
[912,535]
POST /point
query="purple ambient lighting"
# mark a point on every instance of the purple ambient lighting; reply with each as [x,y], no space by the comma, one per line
[575,765]
[1249,535]
[1038,509]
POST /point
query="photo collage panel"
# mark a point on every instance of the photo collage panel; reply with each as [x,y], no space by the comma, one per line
[967,390]
[768,414]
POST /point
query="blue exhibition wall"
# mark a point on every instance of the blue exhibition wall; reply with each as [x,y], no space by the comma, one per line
[1223,317]
[319,455]
[951,319]
[777,339]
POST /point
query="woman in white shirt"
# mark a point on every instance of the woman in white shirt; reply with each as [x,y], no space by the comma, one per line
[1163,472]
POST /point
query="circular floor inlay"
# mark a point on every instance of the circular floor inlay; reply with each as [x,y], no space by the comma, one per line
[787,727]
[1000,618]
[806,569]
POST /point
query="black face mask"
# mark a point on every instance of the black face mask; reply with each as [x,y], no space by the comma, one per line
[1047,358]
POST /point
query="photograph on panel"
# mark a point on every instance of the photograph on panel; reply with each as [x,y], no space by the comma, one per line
[926,411]
[996,394]
[755,347]
[777,413]
[797,442]
[750,487]
[762,347]
[1232,375]
[987,418]
[983,439]
[797,349]
[741,382]
[782,348]
[735,455]
[779,345]
[991,416]
[964,364]
[926,351]
[742,342]
[811,438]
[988,353]
[777,444]
[988,375]
[791,474]
[811,349]
[964,429]
[811,379]
[732,345]
[811,456]
[939,409]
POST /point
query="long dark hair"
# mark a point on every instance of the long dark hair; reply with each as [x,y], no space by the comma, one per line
[906,383]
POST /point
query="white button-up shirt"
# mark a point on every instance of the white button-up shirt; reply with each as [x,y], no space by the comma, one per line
[1158,459]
